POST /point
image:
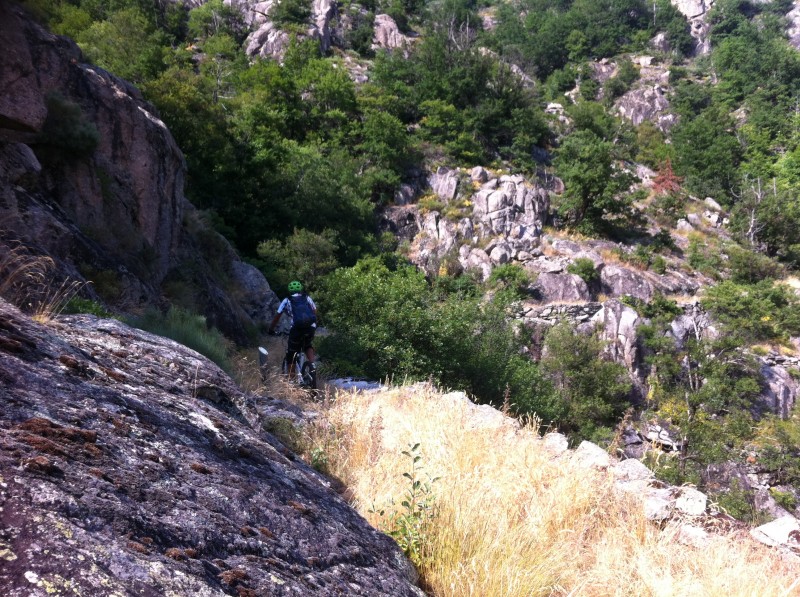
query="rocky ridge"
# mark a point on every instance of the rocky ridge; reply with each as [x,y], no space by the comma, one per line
[91,177]
[477,219]
[131,465]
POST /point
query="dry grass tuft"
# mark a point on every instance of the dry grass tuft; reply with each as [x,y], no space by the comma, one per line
[28,281]
[509,519]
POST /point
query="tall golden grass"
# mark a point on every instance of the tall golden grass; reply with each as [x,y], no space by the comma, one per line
[29,281]
[510,519]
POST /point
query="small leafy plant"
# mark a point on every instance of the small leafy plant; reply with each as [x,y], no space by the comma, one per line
[409,525]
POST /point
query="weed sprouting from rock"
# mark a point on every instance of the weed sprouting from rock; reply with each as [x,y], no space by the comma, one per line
[409,524]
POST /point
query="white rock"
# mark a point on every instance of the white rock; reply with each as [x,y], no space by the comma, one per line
[631,470]
[555,443]
[657,508]
[778,532]
[694,536]
[691,502]
[592,456]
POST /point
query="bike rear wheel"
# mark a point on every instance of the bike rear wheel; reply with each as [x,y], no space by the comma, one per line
[309,375]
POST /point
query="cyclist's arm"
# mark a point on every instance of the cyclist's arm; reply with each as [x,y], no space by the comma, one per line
[278,314]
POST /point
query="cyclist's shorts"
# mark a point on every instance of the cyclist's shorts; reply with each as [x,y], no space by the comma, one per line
[300,340]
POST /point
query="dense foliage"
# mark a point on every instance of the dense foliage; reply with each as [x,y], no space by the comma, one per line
[291,161]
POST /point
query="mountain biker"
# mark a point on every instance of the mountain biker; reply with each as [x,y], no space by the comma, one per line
[303,314]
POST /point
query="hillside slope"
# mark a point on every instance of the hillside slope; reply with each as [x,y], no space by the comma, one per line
[131,465]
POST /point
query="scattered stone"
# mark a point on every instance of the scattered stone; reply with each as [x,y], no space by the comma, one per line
[784,531]
[691,502]
[592,456]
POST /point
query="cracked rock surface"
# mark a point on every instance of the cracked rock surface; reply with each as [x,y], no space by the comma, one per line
[131,465]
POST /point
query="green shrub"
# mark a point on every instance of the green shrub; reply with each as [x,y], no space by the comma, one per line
[785,499]
[763,311]
[188,329]
[704,257]
[81,305]
[584,267]
[285,430]
[512,278]
[66,128]
[594,390]
[738,502]
[659,265]
[287,12]
[749,267]
[390,323]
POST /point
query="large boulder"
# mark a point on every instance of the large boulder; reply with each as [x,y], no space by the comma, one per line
[619,325]
[267,40]
[444,182]
[388,35]
[127,192]
[559,288]
[132,465]
[647,103]
[779,393]
[617,281]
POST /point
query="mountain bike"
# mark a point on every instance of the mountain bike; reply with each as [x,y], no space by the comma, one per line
[305,372]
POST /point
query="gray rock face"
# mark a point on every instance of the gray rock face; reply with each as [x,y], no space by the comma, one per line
[131,463]
[388,36]
[129,193]
[780,391]
[696,11]
[619,328]
[647,103]
[617,281]
[555,288]
[118,213]
[257,298]
[268,41]
[793,30]
[402,221]
[444,182]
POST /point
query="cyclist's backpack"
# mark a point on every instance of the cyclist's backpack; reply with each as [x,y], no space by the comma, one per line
[302,313]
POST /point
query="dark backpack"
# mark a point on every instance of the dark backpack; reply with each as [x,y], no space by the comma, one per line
[302,313]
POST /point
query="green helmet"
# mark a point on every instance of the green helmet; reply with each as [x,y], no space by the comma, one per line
[295,286]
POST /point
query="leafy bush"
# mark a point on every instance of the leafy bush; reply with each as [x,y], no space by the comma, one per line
[66,128]
[188,329]
[584,267]
[512,278]
[81,305]
[749,267]
[391,323]
[287,12]
[763,311]
[594,390]
[704,256]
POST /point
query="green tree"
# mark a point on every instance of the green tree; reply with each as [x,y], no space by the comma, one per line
[127,44]
[304,255]
[593,200]
[707,154]
[594,390]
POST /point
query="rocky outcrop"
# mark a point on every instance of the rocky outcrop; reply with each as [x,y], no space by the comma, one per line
[779,395]
[647,102]
[388,36]
[131,463]
[90,177]
[620,281]
[505,223]
[793,29]
[267,40]
[559,288]
[696,12]
[128,194]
